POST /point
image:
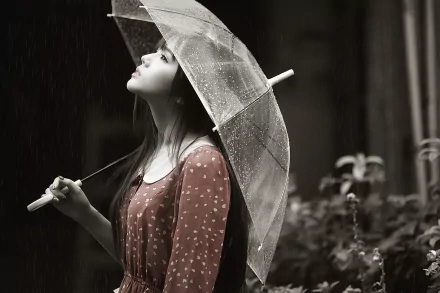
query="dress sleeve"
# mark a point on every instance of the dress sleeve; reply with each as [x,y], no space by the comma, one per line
[201,210]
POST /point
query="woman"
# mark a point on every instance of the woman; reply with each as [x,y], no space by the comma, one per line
[178,221]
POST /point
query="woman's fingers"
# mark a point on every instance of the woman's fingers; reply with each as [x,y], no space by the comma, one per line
[56,183]
[54,197]
[56,193]
[64,185]
[64,190]
[60,183]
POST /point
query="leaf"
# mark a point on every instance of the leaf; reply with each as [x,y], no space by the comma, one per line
[359,171]
[251,283]
[375,160]
[349,289]
[434,230]
[431,232]
[286,289]
[334,284]
[342,161]
[345,187]
[430,141]
[409,229]
[373,201]
[433,156]
[395,238]
[429,154]
[433,240]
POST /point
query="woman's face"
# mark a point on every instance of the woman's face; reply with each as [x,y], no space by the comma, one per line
[154,77]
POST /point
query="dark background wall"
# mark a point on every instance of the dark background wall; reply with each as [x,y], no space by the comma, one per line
[66,111]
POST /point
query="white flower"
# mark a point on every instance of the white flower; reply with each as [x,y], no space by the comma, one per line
[432,255]
[351,197]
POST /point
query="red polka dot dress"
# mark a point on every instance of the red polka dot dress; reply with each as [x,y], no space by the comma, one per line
[171,232]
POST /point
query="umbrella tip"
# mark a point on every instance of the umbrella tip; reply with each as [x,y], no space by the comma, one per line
[280,77]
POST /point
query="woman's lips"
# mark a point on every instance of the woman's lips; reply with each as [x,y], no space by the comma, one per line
[136,73]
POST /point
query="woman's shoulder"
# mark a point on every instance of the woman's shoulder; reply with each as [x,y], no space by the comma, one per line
[202,154]
[203,144]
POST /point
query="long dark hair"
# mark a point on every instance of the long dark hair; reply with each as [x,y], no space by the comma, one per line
[192,117]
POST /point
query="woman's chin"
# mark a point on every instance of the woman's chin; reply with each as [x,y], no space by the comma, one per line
[131,86]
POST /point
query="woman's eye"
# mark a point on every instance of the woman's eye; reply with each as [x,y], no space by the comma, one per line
[164,58]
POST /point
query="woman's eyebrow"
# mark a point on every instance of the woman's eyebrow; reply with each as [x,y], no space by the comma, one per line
[164,48]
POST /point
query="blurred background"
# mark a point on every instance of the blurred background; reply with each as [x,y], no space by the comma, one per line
[66,111]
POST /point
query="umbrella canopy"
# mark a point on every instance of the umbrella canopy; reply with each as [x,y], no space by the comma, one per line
[237,96]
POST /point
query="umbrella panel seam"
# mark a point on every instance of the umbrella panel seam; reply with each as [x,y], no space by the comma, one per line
[236,116]
[189,16]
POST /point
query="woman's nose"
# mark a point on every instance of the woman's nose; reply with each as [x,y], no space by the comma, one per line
[146,59]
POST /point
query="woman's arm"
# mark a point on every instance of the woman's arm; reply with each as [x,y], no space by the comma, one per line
[101,229]
[202,205]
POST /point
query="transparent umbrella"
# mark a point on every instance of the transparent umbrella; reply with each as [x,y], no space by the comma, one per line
[237,96]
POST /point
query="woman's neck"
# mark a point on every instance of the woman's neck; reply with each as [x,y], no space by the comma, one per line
[188,138]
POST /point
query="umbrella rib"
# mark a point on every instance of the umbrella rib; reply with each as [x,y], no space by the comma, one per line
[190,16]
[282,167]
[244,109]
[241,111]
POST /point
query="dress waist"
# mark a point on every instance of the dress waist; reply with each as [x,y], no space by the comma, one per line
[142,286]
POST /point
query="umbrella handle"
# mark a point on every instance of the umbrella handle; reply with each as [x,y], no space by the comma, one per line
[273,81]
[47,198]
[280,77]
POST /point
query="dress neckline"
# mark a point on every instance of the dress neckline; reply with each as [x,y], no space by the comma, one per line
[140,176]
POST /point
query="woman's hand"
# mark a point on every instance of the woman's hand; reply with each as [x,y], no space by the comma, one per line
[69,198]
